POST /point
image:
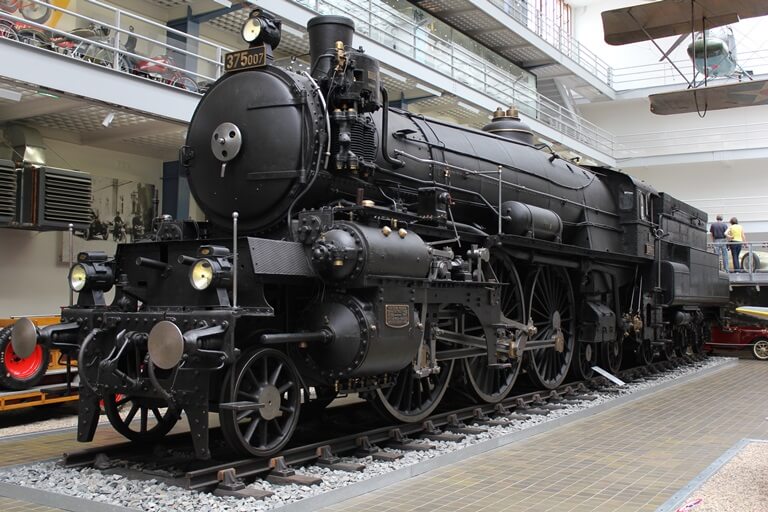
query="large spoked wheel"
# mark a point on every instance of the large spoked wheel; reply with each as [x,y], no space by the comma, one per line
[494,384]
[265,376]
[139,419]
[413,398]
[21,373]
[760,349]
[611,355]
[552,310]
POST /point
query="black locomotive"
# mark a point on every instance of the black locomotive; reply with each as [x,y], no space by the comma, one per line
[356,248]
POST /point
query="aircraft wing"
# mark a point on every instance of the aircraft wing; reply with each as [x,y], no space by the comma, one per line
[753,311]
[673,17]
[718,97]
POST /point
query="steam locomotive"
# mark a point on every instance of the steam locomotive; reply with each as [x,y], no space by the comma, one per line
[352,247]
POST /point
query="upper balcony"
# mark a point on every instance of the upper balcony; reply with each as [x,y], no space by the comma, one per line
[432,76]
[524,35]
[429,75]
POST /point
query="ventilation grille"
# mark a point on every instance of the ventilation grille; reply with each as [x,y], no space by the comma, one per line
[65,199]
[363,142]
[8,191]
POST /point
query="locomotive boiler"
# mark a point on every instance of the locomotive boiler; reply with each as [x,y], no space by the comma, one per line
[352,247]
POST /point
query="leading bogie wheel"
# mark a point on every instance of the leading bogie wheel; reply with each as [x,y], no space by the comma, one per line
[552,309]
[140,419]
[21,373]
[493,384]
[760,349]
[268,377]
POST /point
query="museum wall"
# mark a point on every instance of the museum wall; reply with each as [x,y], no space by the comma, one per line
[32,272]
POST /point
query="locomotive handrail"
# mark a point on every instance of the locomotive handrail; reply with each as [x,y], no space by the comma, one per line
[491,175]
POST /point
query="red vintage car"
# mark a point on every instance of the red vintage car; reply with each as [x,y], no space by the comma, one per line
[739,337]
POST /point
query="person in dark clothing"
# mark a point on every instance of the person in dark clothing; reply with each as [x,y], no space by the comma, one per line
[717,230]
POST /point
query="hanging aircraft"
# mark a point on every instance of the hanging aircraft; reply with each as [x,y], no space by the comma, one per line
[713,50]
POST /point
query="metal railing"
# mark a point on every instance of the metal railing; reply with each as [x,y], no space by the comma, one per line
[553,33]
[662,73]
[380,22]
[752,259]
[199,61]
[693,140]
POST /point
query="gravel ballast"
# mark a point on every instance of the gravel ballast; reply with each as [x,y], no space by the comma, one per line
[152,495]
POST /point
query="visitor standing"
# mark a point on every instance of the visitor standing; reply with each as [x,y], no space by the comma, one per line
[717,230]
[735,236]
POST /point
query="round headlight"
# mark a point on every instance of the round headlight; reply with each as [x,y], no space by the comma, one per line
[251,29]
[77,277]
[201,275]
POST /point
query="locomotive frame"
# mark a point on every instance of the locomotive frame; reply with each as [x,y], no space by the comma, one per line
[352,247]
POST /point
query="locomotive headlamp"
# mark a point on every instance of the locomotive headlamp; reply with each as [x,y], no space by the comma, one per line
[212,268]
[201,275]
[92,273]
[77,277]
[262,28]
[251,29]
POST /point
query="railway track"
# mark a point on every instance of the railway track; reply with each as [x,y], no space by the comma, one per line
[228,475]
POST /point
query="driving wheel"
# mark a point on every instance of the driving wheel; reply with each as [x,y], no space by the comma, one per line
[413,398]
[493,384]
[552,310]
[267,377]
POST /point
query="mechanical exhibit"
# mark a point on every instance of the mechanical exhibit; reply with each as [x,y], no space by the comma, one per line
[356,248]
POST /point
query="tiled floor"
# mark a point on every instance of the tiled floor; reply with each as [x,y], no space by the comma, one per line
[9,505]
[631,458]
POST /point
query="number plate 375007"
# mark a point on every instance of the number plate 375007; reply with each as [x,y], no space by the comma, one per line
[251,58]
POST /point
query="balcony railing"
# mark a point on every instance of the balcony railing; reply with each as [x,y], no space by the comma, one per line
[662,73]
[106,36]
[753,259]
[694,140]
[553,33]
